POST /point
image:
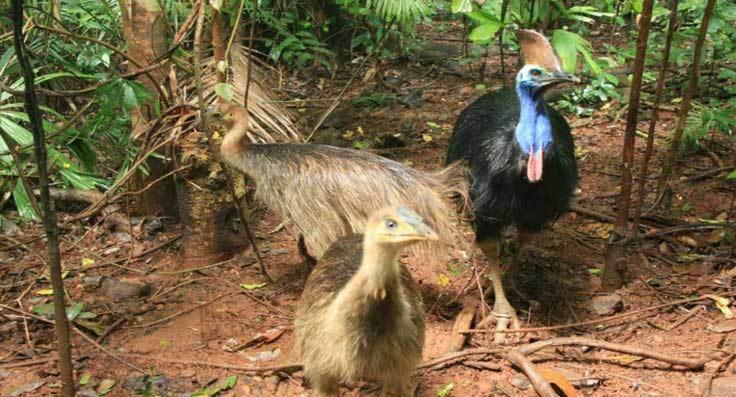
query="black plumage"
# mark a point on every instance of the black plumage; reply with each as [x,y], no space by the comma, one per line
[501,193]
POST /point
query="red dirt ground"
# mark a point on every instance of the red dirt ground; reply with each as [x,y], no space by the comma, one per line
[554,285]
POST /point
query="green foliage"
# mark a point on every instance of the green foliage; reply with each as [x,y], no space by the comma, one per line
[398,10]
[702,120]
[488,20]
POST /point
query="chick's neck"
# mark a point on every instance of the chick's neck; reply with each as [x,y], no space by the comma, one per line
[379,268]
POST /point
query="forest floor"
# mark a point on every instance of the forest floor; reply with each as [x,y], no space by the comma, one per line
[188,327]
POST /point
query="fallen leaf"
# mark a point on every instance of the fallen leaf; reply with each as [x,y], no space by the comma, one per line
[445,390]
[253,286]
[559,380]
[105,386]
[443,280]
[87,262]
[722,305]
[47,291]
[723,326]
[427,138]
[20,390]
[624,358]
[84,379]
[261,338]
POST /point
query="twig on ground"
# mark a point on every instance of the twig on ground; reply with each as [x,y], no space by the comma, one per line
[111,329]
[543,388]
[456,357]
[617,347]
[708,381]
[28,363]
[80,333]
[181,312]
[597,321]
[286,368]
[684,319]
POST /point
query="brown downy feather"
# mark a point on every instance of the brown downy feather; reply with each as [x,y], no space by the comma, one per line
[328,192]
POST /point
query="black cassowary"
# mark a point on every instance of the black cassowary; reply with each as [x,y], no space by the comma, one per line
[521,159]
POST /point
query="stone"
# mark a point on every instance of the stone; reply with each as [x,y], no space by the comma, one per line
[521,381]
[605,305]
[121,290]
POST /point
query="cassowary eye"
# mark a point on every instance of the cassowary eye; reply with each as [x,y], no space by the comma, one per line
[535,72]
[390,224]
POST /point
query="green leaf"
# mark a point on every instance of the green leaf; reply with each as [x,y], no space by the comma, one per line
[94,327]
[484,32]
[225,91]
[253,286]
[105,386]
[445,390]
[85,379]
[732,175]
[463,6]
[45,310]
[23,203]
[565,44]
[223,384]
[74,311]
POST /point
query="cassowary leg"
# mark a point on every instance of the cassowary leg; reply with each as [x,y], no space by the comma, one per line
[304,253]
[502,310]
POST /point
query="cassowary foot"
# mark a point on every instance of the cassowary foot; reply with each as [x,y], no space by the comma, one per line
[506,318]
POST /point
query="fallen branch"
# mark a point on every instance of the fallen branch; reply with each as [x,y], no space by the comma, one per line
[617,347]
[456,357]
[594,322]
[543,388]
[285,368]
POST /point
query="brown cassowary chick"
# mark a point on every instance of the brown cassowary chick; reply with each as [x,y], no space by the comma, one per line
[329,192]
[360,315]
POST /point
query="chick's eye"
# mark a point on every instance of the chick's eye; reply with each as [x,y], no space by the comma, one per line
[535,72]
[390,224]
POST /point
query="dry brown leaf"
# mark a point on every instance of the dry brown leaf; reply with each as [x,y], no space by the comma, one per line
[558,380]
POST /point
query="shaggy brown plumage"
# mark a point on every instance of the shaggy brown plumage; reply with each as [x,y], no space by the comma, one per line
[328,192]
[360,315]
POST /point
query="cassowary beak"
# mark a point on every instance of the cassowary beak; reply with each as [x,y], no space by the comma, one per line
[558,77]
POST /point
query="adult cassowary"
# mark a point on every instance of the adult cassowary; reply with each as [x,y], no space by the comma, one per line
[521,159]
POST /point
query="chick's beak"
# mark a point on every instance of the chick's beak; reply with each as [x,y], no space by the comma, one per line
[425,232]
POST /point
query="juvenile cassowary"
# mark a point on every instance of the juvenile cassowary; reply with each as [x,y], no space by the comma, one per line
[360,316]
[329,192]
[521,159]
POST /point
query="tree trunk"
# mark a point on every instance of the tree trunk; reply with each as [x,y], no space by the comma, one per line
[687,99]
[653,120]
[145,37]
[205,208]
[63,343]
[616,251]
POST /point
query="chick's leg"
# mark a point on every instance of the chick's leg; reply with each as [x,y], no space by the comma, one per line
[502,310]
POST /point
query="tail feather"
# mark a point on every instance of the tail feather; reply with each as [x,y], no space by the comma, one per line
[329,192]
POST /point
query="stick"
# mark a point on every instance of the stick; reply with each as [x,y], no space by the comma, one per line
[593,322]
[617,347]
[182,312]
[543,388]
[457,357]
[63,343]
[82,334]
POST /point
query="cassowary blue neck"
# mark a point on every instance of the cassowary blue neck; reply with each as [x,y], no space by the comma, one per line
[534,131]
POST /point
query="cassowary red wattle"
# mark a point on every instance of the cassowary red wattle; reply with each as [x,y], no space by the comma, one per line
[520,155]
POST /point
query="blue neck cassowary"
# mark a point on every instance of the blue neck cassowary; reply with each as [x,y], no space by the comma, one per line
[521,159]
